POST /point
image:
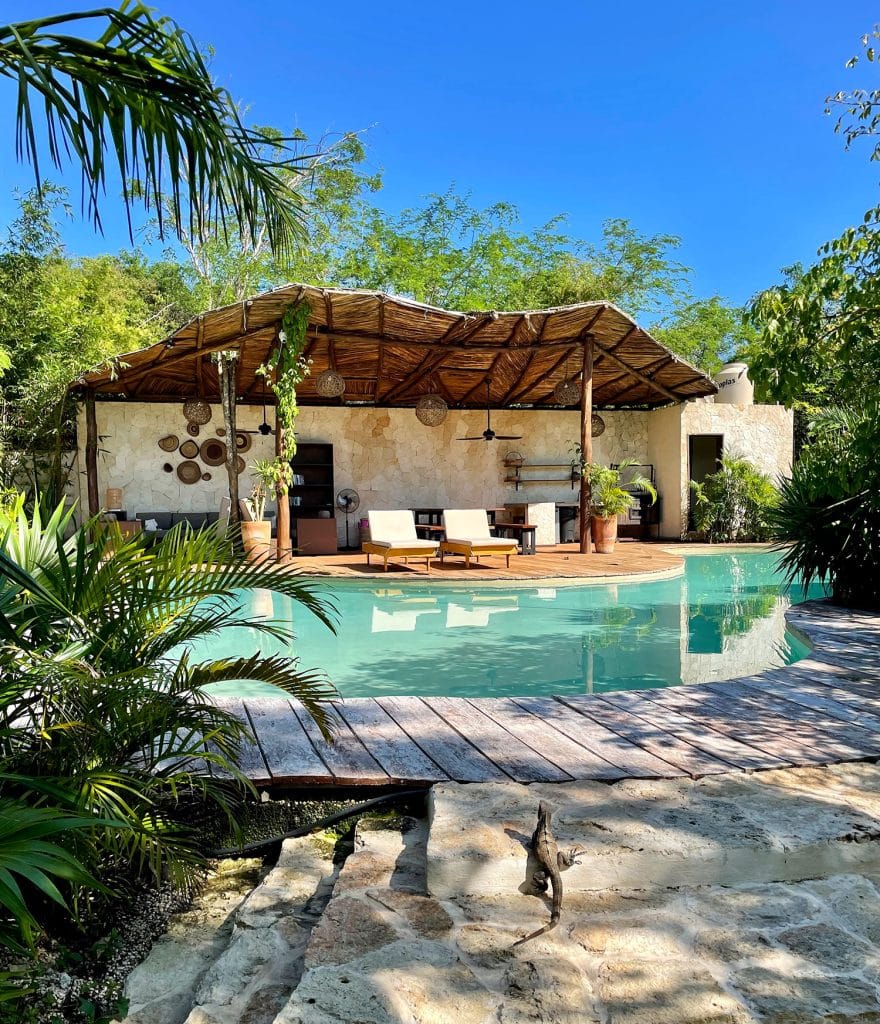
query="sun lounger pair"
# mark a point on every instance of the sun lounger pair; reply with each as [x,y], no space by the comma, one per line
[393,536]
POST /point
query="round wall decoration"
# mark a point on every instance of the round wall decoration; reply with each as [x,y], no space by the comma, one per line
[196,410]
[167,468]
[242,441]
[239,464]
[192,429]
[213,452]
[168,443]
[206,476]
[330,384]
[220,431]
[189,449]
[189,472]
[431,410]
[597,425]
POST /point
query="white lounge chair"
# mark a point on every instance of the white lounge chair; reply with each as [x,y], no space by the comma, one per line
[393,535]
[467,533]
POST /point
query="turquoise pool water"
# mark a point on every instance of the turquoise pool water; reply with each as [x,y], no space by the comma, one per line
[724,617]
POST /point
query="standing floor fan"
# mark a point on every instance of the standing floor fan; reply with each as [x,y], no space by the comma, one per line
[348,501]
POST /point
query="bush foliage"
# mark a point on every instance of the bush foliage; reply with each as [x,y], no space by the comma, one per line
[829,511]
[735,503]
[106,728]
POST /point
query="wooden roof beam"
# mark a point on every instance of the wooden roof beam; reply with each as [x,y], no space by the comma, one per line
[638,374]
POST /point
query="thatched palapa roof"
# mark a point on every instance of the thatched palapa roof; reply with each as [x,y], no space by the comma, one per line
[391,351]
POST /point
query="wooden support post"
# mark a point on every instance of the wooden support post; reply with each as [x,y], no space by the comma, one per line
[226,363]
[283,547]
[92,454]
[586,441]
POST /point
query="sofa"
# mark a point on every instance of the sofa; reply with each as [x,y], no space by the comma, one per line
[197,520]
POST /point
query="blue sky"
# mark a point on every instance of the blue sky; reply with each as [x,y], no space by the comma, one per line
[698,119]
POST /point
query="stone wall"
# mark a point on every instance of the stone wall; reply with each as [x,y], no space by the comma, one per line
[386,455]
[763,434]
[394,461]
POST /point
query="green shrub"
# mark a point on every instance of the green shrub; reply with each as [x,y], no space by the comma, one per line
[829,511]
[735,503]
[106,732]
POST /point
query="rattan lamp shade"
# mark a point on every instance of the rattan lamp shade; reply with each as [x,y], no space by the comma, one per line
[567,392]
[196,410]
[431,410]
[329,384]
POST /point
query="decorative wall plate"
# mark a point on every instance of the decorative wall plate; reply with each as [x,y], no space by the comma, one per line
[189,449]
[220,431]
[239,464]
[168,443]
[213,452]
[242,441]
[189,472]
[192,429]
[206,476]
[167,468]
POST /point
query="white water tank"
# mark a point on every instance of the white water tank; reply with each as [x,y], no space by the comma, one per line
[734,386]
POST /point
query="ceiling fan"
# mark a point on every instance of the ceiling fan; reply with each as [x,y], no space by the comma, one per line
[489,434]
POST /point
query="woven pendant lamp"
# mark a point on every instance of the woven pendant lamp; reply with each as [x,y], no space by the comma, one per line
[329,384]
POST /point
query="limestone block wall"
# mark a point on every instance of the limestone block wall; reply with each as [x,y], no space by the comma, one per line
[386,455]
[763,434]
[394,461]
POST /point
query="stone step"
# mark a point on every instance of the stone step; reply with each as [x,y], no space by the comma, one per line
[161,988]
[774,826]
[381,951]
[252,978]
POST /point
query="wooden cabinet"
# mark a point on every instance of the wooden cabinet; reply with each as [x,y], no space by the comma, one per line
[313,499]
[315,536]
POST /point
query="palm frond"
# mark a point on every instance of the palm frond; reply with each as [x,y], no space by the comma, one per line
[140,96]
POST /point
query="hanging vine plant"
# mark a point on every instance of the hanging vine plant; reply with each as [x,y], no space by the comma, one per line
[285,369]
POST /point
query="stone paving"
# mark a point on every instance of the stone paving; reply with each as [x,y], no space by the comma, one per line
[778,952]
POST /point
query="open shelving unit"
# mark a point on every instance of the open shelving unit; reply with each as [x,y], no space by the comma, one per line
[514,473]
[314,493]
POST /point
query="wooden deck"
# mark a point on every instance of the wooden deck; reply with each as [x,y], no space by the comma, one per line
[562,561]
[824,709]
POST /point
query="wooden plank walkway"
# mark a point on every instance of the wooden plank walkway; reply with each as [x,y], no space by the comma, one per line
[823,710]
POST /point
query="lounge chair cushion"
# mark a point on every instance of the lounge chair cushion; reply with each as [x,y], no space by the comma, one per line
[413,545]
[393,527]
[470,526]
[484,543]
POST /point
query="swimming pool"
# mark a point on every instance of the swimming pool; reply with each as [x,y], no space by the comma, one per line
[723,618]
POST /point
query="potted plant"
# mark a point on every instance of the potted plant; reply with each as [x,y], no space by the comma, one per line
[608,499]
[256,535]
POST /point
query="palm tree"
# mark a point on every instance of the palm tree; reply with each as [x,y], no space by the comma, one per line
[105,722]
[141,96]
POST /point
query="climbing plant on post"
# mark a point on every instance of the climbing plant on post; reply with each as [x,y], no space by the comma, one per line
[227,362]
[285,369]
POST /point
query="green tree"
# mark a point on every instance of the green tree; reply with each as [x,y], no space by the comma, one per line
[140,98]
[706,332]
[858,110]
[816,344]
[58,317]
[333,194]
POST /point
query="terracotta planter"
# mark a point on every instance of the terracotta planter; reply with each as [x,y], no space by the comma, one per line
[257,540]
[604,531]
